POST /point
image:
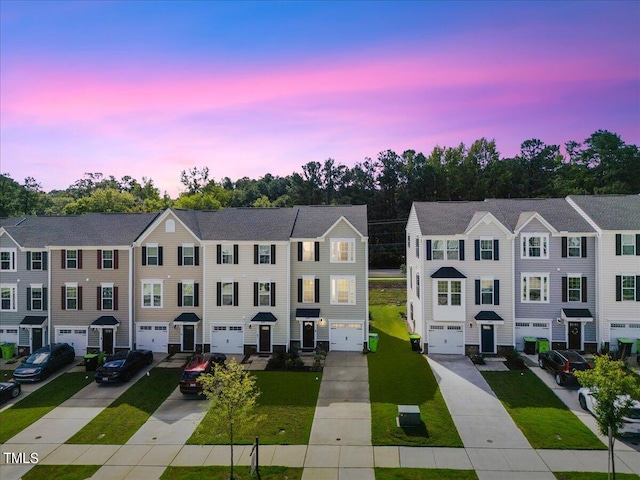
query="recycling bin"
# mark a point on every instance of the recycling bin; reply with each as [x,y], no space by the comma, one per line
[530,345]
[8,350]
[91,362]
[624,347]
[543,344]
[414,338]
[373,342]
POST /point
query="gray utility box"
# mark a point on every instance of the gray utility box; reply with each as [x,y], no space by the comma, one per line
[408,416]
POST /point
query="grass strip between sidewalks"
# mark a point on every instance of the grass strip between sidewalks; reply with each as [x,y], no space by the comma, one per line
[222,473]
[400,376]
[120,420]
[542,417]
[287,405]
[424,474]
[35,406]
[61,472]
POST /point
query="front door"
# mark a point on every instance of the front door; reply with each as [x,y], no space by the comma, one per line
[308,334]
[188,338]
[264,344]
[575,336]
[487,339]
[107,340]
[36,339]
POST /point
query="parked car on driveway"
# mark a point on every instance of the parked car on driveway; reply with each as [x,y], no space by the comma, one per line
[562,363]
[9,390]
[44,361]
[631,425]
[199,364]
[123,365]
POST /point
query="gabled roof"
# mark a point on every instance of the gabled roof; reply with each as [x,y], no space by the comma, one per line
[313,221]
[611,212]
[11,221]
[238,224]
[447,218]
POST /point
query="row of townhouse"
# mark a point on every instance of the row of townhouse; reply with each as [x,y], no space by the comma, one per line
[482,276]
[234,281]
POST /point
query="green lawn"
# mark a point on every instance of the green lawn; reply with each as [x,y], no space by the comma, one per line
[61,472]
[287,404]
[33,407]
[593,476]
[424,474]
[399,376]
[222,473]
[387,291]
[120,420]
[543,418]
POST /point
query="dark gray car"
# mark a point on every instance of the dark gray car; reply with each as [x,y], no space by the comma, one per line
[44,362]
[562,363]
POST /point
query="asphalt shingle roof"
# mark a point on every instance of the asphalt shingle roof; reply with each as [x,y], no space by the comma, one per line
[611,212]
[247,224]
[313,221]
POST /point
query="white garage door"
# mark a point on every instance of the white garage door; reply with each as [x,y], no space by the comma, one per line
[9,335]
[630,330]
[346,337]
[227,339]
[446,339]
[153,337]
[531,329]
[76,337]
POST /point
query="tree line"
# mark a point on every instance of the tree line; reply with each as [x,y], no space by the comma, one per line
[601,164]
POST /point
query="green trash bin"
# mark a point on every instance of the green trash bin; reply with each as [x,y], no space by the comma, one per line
[373,342]
[91,362]
[543,345]
[414,338]
[624,347]
[8,350]
[101,356]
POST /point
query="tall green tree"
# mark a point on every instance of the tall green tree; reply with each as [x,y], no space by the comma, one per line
[232,393]
[614,389]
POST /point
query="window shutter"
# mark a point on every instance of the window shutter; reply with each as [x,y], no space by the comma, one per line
[45,260]
[115,259]
[79,259]
[273,254]
[477,283]
[99,298]
[63,297]
[45,298]
[28,260]
[496,249]
[637,243]
[273,294]
[618,244]
[179,256]
[583,245]
[461,250]
[236,257]
[565,247]
[255,254]
[144,255]
[99,259]
[637,288]
[618,288]
[218,254]
[63,259]
[299,290]
[583,285]
[235,294]
[317,251]
[299,251]
[28,298]
[179,294]
[317,290]
[196,255]
[496,292]
[115,298]
[565,288]
[160,249]
[219,294]
[79,298]
[476,248]
[196,294]
[427,250]
[255,294]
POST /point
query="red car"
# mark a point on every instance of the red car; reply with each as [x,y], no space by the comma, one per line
[200,363]
[562,364]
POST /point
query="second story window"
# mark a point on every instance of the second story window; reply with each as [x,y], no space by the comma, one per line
[36,261]
[574,246]
[438,251]
[8,259]
[308,289]
[107,297]
[627,244]
[36,297]
[71,259]
[308,251]
[152,294]
[71,297]
[107,259]
[187,255]
[449,292]
[152,256]
[343,250]
[8,301]
[186,293]
[486,249]
[264,254]
[535,288]
[627,288]
[343,290]
[535,246]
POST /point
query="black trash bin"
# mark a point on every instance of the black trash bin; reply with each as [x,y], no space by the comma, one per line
[91,362]
[530,344]
[415,342]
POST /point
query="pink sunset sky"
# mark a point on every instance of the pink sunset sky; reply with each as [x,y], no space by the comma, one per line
[150,89]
